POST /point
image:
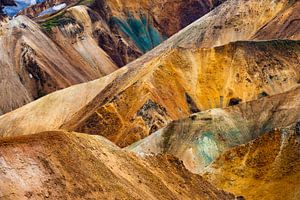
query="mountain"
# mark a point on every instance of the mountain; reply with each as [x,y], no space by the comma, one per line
[136,100]
[85,43]
[62,165]
[161,99]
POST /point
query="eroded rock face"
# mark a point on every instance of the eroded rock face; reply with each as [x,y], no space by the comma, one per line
[201,138]
[61,165]
[96,44]
[91,41]
[267,167]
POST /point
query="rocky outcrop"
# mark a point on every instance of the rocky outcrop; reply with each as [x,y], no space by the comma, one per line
[61,165]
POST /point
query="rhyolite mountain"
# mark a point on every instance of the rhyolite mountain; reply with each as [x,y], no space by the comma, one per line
[172,81]
[137,100]
[219,98]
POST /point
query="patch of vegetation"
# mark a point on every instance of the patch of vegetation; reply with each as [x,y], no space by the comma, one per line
[59,20]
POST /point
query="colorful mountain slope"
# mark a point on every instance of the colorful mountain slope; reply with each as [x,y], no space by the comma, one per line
[265,168]
[199,139]
[229,83]
[86,41]
[61,165]
[137,100]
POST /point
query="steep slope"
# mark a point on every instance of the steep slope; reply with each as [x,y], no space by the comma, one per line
[285,26]
[32,65]
[143,97]
[201,138]
[93,29]
[61,165]
[266,168]
[167,17]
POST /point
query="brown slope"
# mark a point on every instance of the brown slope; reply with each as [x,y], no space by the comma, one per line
[61,165]
[285,26]
[32,65]
[139,99]
[266,168]
[199,139]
